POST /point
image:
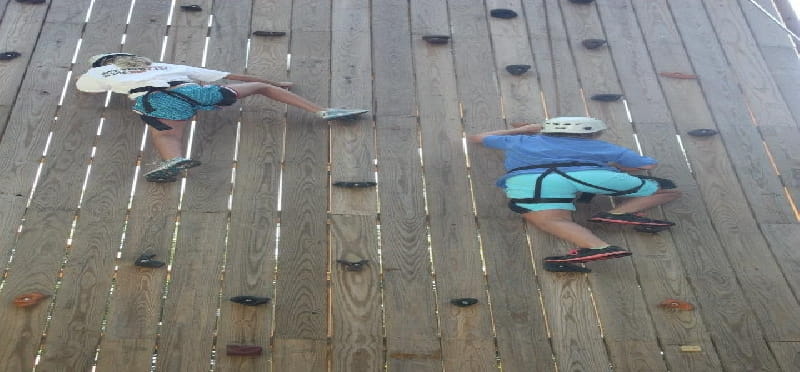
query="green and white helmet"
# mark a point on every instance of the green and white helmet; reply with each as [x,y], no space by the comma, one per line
[576,125]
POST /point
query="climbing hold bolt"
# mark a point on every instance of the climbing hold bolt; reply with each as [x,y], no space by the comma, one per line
[517,69]
[464,302]
[593,43]
[250,300]
[702,132]
[233,349]
[191,8]
[606,97]
[436,39]
[5,56]
[353,265]
[355,184]
[503,13]
[29,299]
[677,75]
[673,304]
[269,33]
[146,260]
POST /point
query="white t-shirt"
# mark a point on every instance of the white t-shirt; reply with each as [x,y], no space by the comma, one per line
[119,80]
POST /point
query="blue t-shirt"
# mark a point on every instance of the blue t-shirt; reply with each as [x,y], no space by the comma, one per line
[526,150]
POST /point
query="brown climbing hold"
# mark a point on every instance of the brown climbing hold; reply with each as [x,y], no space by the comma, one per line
[677,75]
[29,299]
[674,304]
[233,349]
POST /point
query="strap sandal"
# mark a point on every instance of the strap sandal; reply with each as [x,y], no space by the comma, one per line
[503,13]
[517,69]
[673,304]
[563,267]
[250,300]
[593,43]
[29,299]
[269,33]
[464,302]
[5,56]
[355,184]
[146,260]
[702,132]
[233,349]
[677,75]
[610,97]
[436,39]
[192,8]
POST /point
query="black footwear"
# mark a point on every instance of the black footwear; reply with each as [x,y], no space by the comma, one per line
[587,254]
[629,219]
[563,267]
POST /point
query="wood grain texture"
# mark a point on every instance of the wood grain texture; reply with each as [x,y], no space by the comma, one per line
[781,239]
[301,307]
[356,297]
[538,23]
[352,143]
[466,332]
[19,32]
[787,354]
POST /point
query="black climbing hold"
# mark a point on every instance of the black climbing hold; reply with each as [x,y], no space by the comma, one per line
[31,1]
[250,300]
[5,56]
[593,43]
[191,8]
[146,260]
[355,184]
[563,267]
[464,302]
[503,13]
[581,1]
[269,33]
[436,39]
[606,97]
[517,69]
[702,132]
[650,229]
[353,265]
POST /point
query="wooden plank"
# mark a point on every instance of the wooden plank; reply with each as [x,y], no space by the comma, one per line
[410,321]
[782,240]
[466,332]
[765,194]
[352,144]
[539,35]
[301,315]
[54,207]
[630,337]
[412,342]
[97,236]
[518,321]
[787,354]
[204,212]
[356,297]
[250,261]
[19,32]
[136,306]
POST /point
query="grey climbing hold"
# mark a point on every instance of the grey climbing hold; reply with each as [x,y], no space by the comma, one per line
[191,8]
[436,39]
[503,13]
[517,69]
[702,132]
[593,43]
[464,302]
[269,33]
[606,97]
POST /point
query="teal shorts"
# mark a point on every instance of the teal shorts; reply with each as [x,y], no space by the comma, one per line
[557,186]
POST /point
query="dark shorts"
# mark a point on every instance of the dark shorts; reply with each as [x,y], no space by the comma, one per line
[166,106]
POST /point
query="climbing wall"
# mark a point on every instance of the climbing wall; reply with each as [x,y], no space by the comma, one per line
[422,268]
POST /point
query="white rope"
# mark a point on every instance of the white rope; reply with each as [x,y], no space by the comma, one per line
[777,22]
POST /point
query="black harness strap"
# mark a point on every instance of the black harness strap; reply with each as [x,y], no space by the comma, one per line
[553,168]
[148,107]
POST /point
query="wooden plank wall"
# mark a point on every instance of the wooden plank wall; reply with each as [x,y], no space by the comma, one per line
[261,216]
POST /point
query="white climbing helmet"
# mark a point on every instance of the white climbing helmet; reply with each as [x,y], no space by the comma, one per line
[101,59]
[573,125]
